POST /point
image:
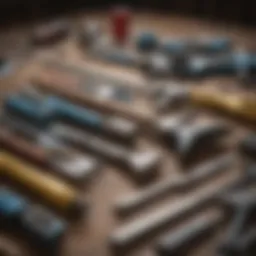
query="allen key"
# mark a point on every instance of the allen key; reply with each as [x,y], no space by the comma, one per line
[142,166]
[137,201]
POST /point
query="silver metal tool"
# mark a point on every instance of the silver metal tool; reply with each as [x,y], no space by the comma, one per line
[137,201]
[141,165]
[53,153]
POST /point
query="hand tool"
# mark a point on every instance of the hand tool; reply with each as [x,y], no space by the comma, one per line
[72,165]
[51,32]
[43,227]
[50,109]
[243,204]
[89,33]
[50,189]
[118,56]
[50,83]
[245,245]
[120,24]
[105,87]
[238,64]
[148,41]
[136,231]
[142,166]
[248,146]
[136,201]
[242,106]
[191,138]
[11,206]
[166,126]
[181,240]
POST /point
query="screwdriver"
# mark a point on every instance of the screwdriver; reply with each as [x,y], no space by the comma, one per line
[50,189]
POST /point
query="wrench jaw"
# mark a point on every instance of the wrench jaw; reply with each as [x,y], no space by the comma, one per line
[78,169]
[145,165]
[122,129]
[190,141]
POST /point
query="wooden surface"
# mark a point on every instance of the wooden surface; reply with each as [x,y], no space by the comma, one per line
[90,235]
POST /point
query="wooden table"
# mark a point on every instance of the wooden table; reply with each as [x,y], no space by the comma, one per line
[90,235]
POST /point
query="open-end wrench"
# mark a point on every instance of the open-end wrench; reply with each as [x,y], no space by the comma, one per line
[142,166]
[70,164]
[46,110]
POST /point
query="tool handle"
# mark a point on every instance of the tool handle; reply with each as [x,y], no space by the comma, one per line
[44,185]
[23,148]
[79,115]
[37,112]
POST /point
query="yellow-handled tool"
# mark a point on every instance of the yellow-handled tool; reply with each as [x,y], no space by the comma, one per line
[243,106]
[50,189]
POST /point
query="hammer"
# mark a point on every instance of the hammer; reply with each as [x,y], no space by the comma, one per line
[42,112]
[137,201]
[72,165]
[142,166]
[53,191]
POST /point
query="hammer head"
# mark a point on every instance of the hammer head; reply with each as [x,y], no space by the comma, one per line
[144,164]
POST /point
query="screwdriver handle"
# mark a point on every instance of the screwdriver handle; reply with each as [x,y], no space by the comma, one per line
[50,189]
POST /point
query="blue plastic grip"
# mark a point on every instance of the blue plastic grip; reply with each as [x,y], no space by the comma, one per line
[44,112]
[11,204]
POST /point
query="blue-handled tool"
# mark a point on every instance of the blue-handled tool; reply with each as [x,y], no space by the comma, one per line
[208,46]
[11,206]
[148,41]
[43,112]
[240,64]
